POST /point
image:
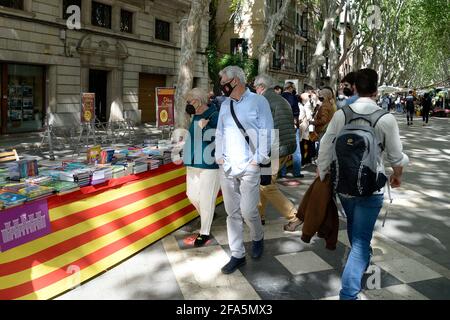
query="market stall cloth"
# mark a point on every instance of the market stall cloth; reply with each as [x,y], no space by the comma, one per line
[94,229]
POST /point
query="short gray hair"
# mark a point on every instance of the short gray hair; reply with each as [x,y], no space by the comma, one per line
[234,72]
[197,94]
[264,80]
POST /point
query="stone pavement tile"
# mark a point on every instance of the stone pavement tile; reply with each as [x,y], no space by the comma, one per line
[382,251]
[342,237]
[375,275]
[408,270]
[272,281]
[398,292]
[320,284]
[198,272]
[303,262]
[434,289]
[147,275]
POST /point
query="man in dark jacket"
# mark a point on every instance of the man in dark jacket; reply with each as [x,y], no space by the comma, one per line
[287,144]
[426,105]
[288,94]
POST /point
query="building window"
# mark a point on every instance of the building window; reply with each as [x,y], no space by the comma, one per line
[67,4]
[304,25]
[25,97]
[101,15]
[277,60]
[126,21]
[162,30]
[14,4]
[239,46]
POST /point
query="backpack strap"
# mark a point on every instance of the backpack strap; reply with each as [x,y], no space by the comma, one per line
[372,118]
[376,116]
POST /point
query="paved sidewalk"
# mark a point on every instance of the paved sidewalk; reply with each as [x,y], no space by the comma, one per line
[411,252]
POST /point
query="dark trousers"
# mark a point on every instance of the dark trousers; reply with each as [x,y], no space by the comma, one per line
[308,150]
[410,115]
[425,114]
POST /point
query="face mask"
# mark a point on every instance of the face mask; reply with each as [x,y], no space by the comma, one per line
[190,109]
[348,92]
[227,88]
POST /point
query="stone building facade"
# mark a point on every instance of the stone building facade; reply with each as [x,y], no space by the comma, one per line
[246,32]
[123,50]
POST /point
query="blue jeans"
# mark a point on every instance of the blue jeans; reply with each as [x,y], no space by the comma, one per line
[296,159]
[362,214]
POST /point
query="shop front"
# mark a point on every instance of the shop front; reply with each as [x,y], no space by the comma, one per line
[22,90]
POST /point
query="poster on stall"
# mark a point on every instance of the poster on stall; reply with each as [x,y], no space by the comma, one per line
[23,224]
[165,102]
[87,107]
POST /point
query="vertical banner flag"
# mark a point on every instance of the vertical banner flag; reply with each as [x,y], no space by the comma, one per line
[87,107]
[165,103]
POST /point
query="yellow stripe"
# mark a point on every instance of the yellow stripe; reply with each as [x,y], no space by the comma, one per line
[102,265]
[85,226]
[88,248]
[107,196]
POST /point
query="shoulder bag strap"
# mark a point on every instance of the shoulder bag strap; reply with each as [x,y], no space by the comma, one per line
[241,127]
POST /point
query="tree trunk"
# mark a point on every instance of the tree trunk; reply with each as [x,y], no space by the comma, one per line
[189,31]
[265,49]
[330,13]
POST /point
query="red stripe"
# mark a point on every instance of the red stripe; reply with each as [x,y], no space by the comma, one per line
[89,191]
[77,241]
[57,275]
[99,210]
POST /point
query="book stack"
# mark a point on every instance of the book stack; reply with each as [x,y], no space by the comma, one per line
[33,191]
[140,167]
[82,177]
[39,180]
[167,157]
[14,187]
[101,175]
[23,169]
[62,187]
[153,164]
[10,199]
[118,171]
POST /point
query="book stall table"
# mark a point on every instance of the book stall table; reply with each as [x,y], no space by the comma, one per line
[93,229]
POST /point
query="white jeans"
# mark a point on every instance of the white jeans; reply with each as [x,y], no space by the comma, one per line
[202,188]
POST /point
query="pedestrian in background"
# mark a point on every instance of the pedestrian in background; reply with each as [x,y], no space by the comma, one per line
[292,99]
[287,134]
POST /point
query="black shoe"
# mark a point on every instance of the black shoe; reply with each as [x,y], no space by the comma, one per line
[232,266]
[257,248]
[201,240]
[263,222]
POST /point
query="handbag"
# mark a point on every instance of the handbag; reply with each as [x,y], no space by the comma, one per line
[265,179]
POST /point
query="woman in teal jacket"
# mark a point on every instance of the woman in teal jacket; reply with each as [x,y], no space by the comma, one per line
[202,177]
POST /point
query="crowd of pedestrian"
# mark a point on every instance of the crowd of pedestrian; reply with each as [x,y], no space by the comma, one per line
[241,142]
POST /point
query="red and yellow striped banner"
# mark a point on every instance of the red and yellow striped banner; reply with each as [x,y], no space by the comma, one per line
[95,229]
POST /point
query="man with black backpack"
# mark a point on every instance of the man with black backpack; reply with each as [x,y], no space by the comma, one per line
[352,151]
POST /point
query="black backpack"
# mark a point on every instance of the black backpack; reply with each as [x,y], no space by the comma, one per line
[356,155]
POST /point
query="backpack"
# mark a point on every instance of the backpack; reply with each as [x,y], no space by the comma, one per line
[356,155]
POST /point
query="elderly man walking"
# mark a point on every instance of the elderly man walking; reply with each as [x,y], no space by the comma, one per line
[287,144]
[239,154]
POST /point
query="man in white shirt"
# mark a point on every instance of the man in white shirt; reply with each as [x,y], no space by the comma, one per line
[362,212]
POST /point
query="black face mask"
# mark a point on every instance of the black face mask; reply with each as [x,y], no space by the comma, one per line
[190,109]
[227,88]
[348,92]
